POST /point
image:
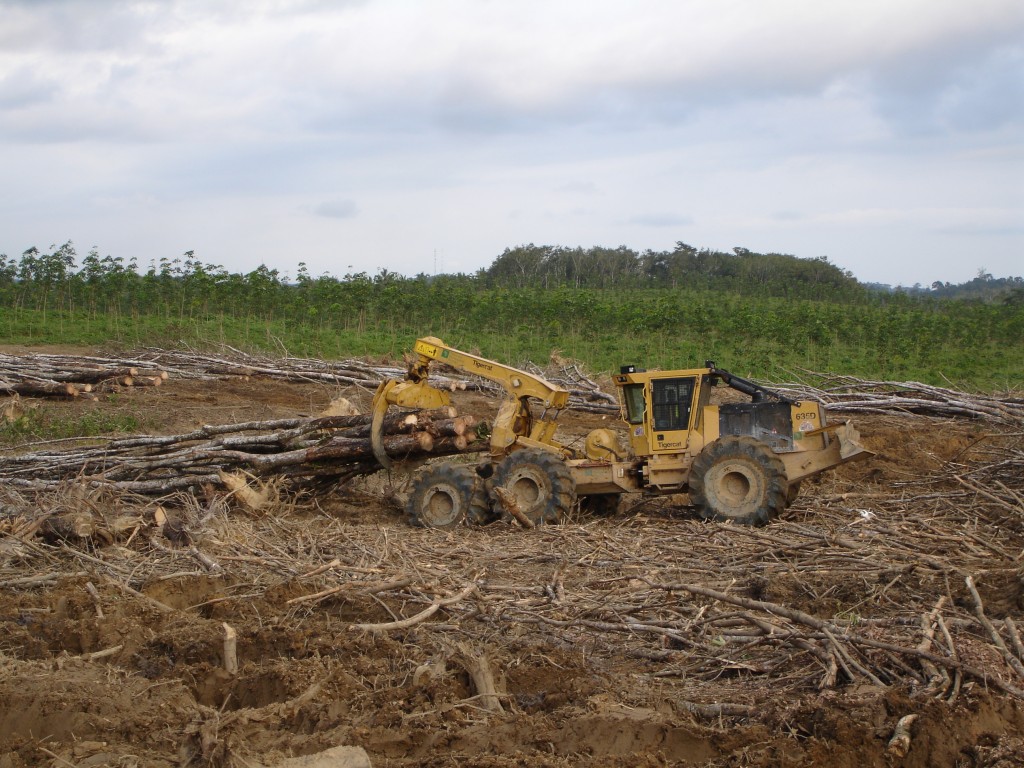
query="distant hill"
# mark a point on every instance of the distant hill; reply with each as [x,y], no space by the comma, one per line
[740,271]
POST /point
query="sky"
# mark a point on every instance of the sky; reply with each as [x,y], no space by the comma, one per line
[423,137]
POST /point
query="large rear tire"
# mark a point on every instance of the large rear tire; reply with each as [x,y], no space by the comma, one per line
[541,482]
[444,495]
[738,479]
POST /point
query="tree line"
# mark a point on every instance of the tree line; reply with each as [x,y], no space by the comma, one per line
[742,271]
[605,306]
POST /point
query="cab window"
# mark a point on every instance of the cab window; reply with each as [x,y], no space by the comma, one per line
[672,399]
[634,397]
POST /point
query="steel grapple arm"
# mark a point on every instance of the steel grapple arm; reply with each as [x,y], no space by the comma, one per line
[514,423]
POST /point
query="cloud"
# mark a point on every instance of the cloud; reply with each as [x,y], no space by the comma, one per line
[462,66]
[22,88]
[336,209]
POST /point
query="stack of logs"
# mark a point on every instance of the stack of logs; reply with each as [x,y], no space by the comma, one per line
[299,450]
[64,376]
[40,375]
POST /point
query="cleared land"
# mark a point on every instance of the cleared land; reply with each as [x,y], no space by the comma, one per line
[643,638]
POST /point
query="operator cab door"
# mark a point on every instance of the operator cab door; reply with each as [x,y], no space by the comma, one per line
[659,413]
[671,409]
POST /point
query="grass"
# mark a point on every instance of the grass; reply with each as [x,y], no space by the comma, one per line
[755,340]
[41,423]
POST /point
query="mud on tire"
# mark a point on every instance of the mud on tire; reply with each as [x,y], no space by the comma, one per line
[738,479]
[444,495]
[541,482]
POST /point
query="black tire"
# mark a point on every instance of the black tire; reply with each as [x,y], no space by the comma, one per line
[443,496]
[738,479]
[541,483]
[600,504]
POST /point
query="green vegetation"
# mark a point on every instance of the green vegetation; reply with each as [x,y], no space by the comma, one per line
[42,424]
[763,315]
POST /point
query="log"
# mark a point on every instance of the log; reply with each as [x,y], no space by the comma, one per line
[41,387]
[358,449]
[510,504]
[478,666]
[105,653]
[89,375]
[899,744]
[929,623]
[423,615]
[95,595]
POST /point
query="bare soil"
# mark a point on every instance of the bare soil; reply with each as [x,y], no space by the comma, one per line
[570,694]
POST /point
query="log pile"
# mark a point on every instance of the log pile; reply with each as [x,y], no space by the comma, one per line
[330,448]
[849,394]
[584,392]
[71,376]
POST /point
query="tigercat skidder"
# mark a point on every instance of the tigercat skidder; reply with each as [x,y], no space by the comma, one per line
[739,462]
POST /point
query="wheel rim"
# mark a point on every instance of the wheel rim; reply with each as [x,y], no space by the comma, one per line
[528,492]
[440,506]
[736,487]
[531,491]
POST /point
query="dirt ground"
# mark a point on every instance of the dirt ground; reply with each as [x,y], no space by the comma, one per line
[112,648]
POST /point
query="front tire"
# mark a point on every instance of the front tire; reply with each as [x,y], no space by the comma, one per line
[541,483]
[443,496]
[738,479]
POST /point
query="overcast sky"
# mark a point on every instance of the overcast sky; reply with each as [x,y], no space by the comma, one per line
[415,135]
